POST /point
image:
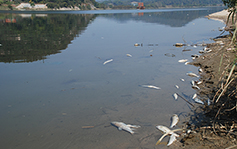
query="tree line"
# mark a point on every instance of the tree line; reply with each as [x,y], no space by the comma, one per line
[162,3]
[82,4]
[122,4]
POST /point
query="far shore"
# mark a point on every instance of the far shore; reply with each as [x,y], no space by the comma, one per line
[43,7]
[220,16]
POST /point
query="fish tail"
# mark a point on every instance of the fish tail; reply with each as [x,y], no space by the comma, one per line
[158,142]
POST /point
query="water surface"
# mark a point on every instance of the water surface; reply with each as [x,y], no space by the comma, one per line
[53,81]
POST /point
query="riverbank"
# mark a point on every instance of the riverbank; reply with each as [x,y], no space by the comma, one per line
[214,125]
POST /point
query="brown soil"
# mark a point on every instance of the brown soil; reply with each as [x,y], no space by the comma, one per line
[214,125]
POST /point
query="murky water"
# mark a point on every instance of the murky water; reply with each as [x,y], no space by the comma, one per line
[53,82]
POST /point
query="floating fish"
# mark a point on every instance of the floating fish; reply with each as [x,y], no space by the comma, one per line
[194,96]
[175,96]
[169,55]
[196,87]
[182,79]
[195,56]
[179,44]
[200,70]
[187,50]
[192,74]
[177,86]
[166,132]
[151,86]
[138,44]
[207,50]
[174,121]
[107,61]
[151,51]
[187,63]
[127,127]
[129,55]
[208,102]
[198,101]
[192,83]
[201,51]
[199,82]
[182,60]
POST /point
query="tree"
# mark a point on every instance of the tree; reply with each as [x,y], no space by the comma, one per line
[10,7]
[1,2]
[231,4]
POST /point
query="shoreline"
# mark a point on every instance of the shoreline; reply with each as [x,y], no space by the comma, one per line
[214,127]
[219,16]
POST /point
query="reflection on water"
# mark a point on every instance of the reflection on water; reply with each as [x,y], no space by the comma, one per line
[69,99]
[45,34]
[177,18]
[29,38]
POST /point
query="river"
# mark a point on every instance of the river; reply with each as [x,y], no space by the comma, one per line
[57,93]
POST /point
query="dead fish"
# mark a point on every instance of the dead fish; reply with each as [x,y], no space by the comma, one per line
[129,55]
[175,96]
[187,63]
[192,74]
[151,51]
[192,83]
[182,79]
[127,127]
[137,44]
[107,61]
[199,82]
[206,49]
[182,60]
[220,42]
[177,86]
[198,101]
[166,132]
[208,102]
[179,44]
[194,96]
[174,121]
[184,50]
[151,44]
[196,87]
[172,139]
[195,56]
[151,86]
[201,51]
[200,70]
[169,55]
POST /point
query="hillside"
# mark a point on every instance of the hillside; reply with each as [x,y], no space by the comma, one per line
[161,3]
[52,4]
[111,4]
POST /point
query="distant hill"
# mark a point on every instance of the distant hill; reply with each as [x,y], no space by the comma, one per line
[162,3]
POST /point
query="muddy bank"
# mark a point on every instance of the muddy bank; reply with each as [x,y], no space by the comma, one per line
[213,125]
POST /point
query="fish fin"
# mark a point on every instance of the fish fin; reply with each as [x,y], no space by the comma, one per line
[161,138]
[158,142]
[133,126]
[172,139]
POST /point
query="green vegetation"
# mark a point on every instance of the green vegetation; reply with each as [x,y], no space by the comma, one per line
[162,3]
[82,4]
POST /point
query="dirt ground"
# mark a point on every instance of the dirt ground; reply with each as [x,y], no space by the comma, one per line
[214,125]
